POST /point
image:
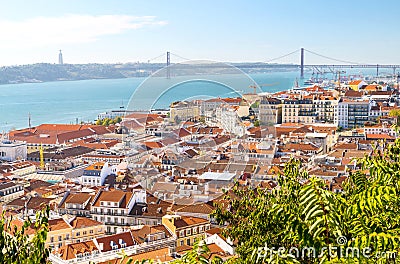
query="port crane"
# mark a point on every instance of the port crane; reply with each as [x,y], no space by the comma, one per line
[255,86]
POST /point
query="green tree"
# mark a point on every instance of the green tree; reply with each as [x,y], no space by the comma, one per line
[257,123]
[395,113]
[15,244]
[200,253]
[116,120]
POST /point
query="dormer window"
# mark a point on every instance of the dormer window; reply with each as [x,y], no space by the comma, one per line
[122,243]
[113,245]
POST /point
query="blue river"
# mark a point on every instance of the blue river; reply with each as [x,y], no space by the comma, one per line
[68,101]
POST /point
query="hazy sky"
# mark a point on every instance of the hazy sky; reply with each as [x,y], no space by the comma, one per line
[127,31]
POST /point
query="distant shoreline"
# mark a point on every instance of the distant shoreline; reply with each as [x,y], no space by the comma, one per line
[44,72]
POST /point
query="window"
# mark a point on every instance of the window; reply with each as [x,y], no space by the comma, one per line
[91,231]
[181,243]
[78,233]
[59,238]
[188,232]
[181,233]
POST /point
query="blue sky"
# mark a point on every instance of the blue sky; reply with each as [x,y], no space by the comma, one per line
[128,31]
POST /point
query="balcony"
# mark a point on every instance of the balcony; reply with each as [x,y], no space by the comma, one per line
[108,213]
[117,224]
[113,254]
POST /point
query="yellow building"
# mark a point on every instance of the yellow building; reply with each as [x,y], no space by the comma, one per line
[85,229]
[186,229]
[59,233]
[356,84]
[63,232]
[183,111]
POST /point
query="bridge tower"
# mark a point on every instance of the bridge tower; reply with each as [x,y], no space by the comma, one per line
[302,63]
[168,63]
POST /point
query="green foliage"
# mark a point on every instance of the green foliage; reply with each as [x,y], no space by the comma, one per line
[395,113]
[256,104]
[108,121]
[364,216]
[17,247]
[199,254]
[257,123]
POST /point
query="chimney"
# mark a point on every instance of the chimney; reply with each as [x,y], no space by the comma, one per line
[172,250]
[101,246]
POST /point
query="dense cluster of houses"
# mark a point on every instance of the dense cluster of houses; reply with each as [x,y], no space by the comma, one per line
[148,185]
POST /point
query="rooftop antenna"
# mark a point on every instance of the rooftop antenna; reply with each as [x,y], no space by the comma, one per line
[29,120]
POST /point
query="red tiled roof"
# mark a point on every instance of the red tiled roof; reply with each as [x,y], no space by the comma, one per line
[355,82]
[107,241]
[379,136]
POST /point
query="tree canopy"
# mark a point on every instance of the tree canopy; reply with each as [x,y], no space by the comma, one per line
[16,246]
[296,216]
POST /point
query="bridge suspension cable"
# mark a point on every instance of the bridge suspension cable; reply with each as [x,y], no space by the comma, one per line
[333,59]
[281,57]
[155,58]
[183,58]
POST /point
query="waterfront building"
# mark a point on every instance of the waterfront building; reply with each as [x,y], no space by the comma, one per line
[12,150]
[184,111]
[113,114]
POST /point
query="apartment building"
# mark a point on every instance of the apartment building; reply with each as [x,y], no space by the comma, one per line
[270,111]
[10,191]
[183,111]
[186,229]
[299,111]
[351,113]
[112,207]
[75,204]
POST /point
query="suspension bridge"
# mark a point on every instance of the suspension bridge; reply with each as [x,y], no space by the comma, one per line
[271,63]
